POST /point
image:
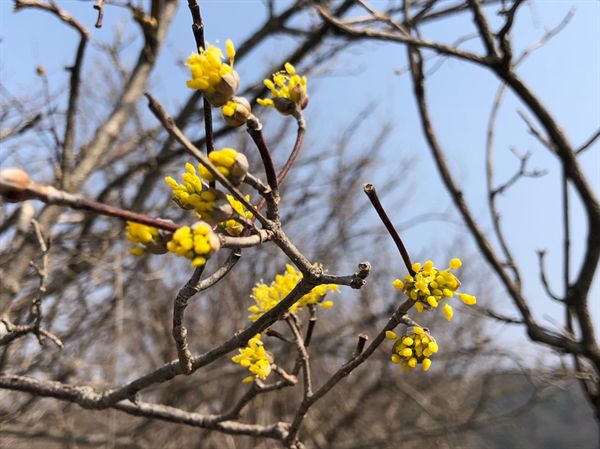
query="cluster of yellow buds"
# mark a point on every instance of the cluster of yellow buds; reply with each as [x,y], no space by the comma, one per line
[146,239]
[255,358]
[196,243]
[413,348]
[216,79]
[229,163]
[288,90]
[231,226]
[268,296]
[210,204]
[430,286]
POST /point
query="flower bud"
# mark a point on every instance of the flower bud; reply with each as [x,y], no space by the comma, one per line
[225,90]
[13,184]
[213,240]
[239,169]
[237,111]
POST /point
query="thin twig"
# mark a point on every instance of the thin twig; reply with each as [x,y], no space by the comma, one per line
[87,398]
[312,321]
[369,189]
[36,304]
[588,143]
[345,370]
[303,357]
[255,130]
[99,6]
[293,155]
[179,330]
[541,255]
[198,30]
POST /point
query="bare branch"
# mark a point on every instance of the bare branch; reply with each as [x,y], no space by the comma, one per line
[369,190]
[99,6]
[588,143]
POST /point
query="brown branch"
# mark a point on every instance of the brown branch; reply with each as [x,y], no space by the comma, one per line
[168,371]
[312,321]
[541,255]
[69,137]
[344,371]
[535,332]
[36,304]
[492,192]
[15,331]
[171,127]
[395,37]
[99,6]
[303,358]
[293,155]
[503,35]
[194,286]
[360,344]
[51,195]
[179,331]
[369,189]
[74,83]
[198,30]
[588,143]
[87,398]
[484,29]
[290,161]
[104,136]
[254,128]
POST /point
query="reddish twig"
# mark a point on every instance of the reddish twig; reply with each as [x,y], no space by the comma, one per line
[369,189]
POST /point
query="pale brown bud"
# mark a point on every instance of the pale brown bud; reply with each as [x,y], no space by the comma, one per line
[239,169]
[213,240]
[40,70]
[13,184]
[225,90]
[241,114]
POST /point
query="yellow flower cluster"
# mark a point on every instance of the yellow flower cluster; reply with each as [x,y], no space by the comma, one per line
[255,358]
[268,296]
[430,286]
[189,195]
[231,226]
[413,348]
[229,163]
[216,79]
[197,243]
[288,90]
[142,235]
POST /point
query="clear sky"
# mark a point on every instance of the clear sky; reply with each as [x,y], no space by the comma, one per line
[565,74]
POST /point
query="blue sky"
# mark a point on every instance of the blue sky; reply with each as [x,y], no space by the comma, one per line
[565,74]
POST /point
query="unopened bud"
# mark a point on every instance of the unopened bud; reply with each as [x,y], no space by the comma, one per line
[13,184]
[40,70]
[237,111]
[213,239]
[239,169]
[225,90]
